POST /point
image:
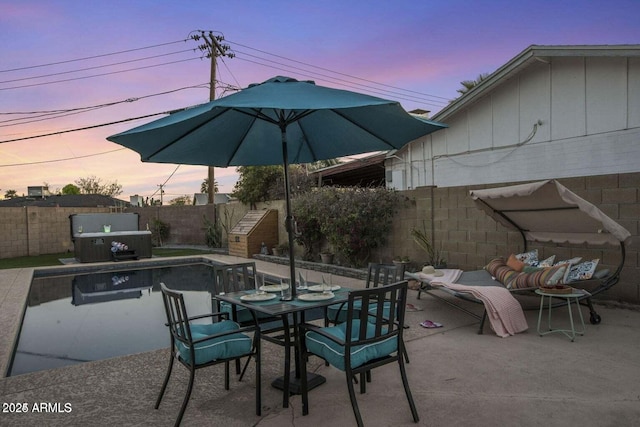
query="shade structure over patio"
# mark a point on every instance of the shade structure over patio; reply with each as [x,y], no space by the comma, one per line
[279,121]
[547,211]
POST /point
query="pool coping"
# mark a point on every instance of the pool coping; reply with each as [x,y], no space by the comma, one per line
[15,284]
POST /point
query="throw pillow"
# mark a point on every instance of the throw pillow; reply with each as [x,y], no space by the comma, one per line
[499,269]
[556,275]
[515,263]
[545,262]
[571,261]
[529,258]
[582,271]
[537,278]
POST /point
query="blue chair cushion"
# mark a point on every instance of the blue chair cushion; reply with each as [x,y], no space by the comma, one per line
[339,315]
[373,310]
[338,312]
[334,353]
[243,314]
[233,345]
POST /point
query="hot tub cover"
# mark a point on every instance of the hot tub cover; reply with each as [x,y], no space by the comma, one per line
[546,211]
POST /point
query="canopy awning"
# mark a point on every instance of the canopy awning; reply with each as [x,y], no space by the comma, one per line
[546,211]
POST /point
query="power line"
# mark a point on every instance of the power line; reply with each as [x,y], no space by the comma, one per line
[354,85]
[97,66]
[82,128]
[53,114]
[93,57]
[98,75]
[63,160]
[446,100]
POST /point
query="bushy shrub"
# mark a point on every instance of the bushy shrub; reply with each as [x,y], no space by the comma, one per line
[352,220]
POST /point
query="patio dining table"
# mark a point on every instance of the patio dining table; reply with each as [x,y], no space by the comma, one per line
[291,313]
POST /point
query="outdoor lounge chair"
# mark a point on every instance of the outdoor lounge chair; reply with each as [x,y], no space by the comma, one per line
[544,211]
[365,341]
[199,345]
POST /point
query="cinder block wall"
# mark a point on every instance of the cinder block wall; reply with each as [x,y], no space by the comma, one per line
[469,238]
[37,230]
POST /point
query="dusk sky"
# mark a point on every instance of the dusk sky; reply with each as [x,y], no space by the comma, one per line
[68,64]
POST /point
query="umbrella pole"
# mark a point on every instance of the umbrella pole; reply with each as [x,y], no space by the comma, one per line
[288,222]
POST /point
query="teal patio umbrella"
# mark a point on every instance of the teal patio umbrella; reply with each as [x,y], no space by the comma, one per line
[277,122]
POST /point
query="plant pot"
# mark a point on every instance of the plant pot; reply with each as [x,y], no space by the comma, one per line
[276,251]
[326,258]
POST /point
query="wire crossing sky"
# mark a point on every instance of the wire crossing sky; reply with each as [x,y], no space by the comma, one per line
[108,65]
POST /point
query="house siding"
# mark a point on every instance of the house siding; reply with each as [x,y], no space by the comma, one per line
[559,117]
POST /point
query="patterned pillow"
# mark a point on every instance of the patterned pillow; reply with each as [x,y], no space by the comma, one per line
[568,263]
[582,271]
[537,278]
[528,258]
[499,269]
[545,262]
[571,261]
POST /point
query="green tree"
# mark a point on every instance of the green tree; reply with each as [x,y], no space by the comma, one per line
[254,183]
[204,187]
[10,194]
[70,189]
[467,85]
[94,185]
[181,201]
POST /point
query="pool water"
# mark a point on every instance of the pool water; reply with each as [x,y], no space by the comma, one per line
[95,316]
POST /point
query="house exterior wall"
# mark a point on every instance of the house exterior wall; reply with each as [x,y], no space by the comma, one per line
[588,110]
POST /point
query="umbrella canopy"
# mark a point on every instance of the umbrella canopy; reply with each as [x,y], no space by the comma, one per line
[280,121]
[246,128]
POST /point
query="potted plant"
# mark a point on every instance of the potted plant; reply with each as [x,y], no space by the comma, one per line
[401,260]
[281,249]
[326,256]
[434,257]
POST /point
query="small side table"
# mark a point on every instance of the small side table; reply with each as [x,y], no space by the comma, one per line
[572,297]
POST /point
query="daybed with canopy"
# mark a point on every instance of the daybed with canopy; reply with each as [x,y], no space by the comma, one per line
[544,211]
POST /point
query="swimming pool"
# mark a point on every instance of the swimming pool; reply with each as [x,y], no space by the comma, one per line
[98,315]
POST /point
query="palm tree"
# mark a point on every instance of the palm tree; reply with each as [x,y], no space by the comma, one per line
[467,85]
[204,187]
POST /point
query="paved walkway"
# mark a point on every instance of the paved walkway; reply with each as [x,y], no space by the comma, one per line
[457,377]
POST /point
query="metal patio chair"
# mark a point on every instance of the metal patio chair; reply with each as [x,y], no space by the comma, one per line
[366,340]
[199,345]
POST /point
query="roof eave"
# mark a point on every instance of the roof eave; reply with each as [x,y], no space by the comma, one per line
[532,53]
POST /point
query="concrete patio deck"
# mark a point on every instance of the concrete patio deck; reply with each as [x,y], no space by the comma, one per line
[457,378]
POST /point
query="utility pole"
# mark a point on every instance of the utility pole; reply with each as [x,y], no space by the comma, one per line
[161,192]
[214,48]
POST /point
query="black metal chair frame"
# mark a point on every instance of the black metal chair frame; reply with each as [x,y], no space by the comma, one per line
[241,277]
[395,297]
[377,275]
[180,331]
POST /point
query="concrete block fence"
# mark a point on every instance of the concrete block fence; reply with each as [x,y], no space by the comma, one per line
[467,238]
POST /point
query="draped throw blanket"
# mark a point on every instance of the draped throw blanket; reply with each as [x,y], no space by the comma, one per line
[503,310]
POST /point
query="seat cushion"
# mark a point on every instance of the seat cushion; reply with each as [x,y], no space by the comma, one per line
[373,310]
[243,314]
[228,346]
[338,312]
[335,353]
